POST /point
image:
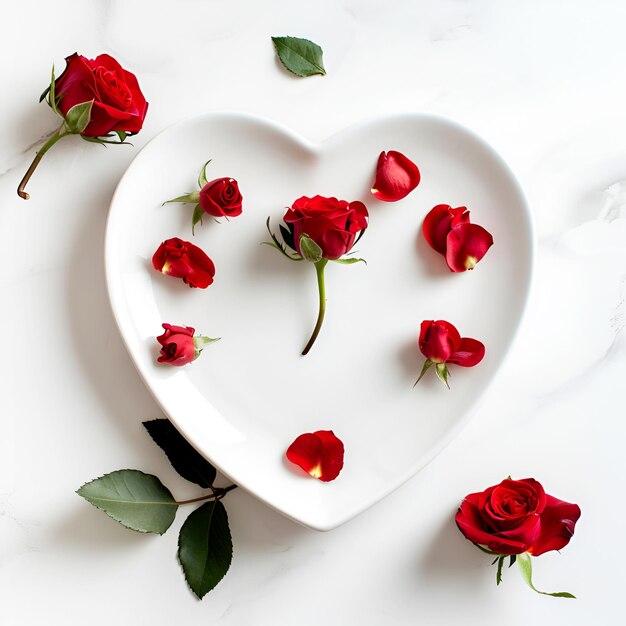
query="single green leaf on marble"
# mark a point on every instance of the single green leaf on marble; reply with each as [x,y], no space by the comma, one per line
[198,214]
[205,547]
[181,454]
[202,178]
[78,117]
[299,56]
[526,568]
[310,250]
[136,500]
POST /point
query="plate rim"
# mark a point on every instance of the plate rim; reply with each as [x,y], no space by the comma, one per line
[317,148]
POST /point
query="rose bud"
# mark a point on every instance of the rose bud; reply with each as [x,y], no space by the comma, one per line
[320,230]
[441,343]
[517,518]
[180,346]
[218,198]
[181,259]
[396,176]
[448,231]
[97,99]
[319,453]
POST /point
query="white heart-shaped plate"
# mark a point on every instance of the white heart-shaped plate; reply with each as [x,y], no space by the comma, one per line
[249,395]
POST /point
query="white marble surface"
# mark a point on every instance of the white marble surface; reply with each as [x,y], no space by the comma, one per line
[542,81]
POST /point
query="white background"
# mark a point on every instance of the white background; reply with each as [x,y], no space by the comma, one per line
[544,83]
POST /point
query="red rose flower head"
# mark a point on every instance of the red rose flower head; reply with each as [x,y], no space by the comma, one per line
[97,99]
[319,453]
[181,259]
[448,231]
[396,176]
[218,198]
[517,517]
[180,346]
[441,343]
[320,230]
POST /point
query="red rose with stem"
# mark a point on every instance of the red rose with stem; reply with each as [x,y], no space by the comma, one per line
[320,230]
[182,259]
[320,454]
[218,198]
[448,231]
[441,343]
[97,99]
[517,519]
[180,345]
[396,176]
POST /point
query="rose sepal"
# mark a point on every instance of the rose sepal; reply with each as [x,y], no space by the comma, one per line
[442,373]
[275,243]
[526,569]
[200,342]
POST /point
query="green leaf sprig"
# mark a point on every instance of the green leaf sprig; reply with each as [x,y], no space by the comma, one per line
[142,503]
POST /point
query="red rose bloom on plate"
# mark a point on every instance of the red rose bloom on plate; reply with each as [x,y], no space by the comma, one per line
[517,518]
[396,176]
[441,343]
[182,259]
[319,453]
[320,230]
[218,198]
[180,345]
[97,99]
[448,231]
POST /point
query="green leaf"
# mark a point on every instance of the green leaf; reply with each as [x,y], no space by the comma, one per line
[512,560]
[205,547]
[122,134]
[136,500]
[442,373]
[188,198]
[499,572]
[202,179]
[310,250]
[190,464]
[299,56]
[349,261]
[427,364]
[200,341]
[198,214]
[78,117]
[526,568]
[287,234]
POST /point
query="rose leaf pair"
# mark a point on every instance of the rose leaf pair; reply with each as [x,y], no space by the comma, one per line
[218,198]
[97,99]
[320,230]
[517,520]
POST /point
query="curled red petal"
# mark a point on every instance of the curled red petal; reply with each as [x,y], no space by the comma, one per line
[438,223]
[319,453]
[466,245]
[469,353]
[396,176]
[557,522]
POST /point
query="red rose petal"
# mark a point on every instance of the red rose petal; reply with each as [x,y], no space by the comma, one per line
[319,453]
[558,520]
[469,353]
[396,176]
[466,245]
[182,259]
[438,223]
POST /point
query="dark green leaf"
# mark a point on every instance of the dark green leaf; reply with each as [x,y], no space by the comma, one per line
[136,500]
[279,246]
[202,179]
[526,568]
[122,134]
[427,364]
[287,234]
[310,250]
[499,572]
[350,261]
[198,214]
[181,454]
[482,549]
[78,117]
[44,94]
[512,560]
[299,56]
[442,373]
[205,547]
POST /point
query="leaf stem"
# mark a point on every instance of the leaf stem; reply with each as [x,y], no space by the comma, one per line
[319,269]
[59,134]
[217,494]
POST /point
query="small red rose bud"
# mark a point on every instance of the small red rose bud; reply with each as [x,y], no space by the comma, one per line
[319,453]
[396,176]
[221,198]
[180,346]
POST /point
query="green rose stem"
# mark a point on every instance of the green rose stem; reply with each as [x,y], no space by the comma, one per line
[217,494]
[59,134]
[319,269]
